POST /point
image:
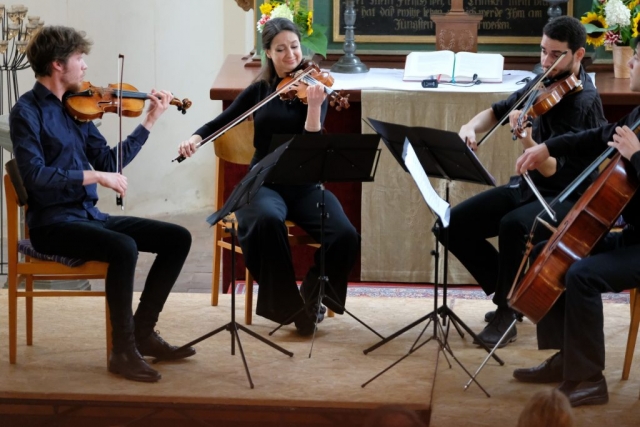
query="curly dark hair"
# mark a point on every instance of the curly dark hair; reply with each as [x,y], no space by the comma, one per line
[566,29]
[55,43]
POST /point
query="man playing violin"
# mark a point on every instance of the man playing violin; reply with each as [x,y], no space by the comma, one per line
[261,224]
[509,211]
[574,325]
[61,161]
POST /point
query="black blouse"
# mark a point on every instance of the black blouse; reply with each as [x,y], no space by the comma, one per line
[275,117]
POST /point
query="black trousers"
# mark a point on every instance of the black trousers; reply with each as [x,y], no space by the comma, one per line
[263,237]
[118,241]
[575,322]
[501,212]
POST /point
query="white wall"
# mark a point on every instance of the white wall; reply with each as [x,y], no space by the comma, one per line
[178,45]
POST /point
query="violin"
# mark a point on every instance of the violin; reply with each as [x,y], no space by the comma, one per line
[292,86]
[91,102]
[298,88]
[546,99]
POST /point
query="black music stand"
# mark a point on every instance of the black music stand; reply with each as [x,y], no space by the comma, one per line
[441,154]
[240,196]
[317,159]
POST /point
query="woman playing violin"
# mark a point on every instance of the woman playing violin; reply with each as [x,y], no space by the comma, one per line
[61,162]
[261,230]
[575,323]
[509,211]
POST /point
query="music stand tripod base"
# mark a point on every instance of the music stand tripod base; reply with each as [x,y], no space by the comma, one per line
[241,195]
[315,159]
[432,153]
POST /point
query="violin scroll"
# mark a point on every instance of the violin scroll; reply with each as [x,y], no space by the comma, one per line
[338,101]
[296,87]
[183,105]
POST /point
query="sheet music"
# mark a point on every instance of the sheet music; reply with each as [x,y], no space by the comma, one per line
[438,205]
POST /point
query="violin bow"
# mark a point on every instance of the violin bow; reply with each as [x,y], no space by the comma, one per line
[247,113]
[527,105]
[522,98]
[526,96]
[119,154]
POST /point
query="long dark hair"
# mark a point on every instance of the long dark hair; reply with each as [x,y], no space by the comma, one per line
[272,28]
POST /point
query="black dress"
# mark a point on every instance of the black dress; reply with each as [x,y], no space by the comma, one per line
[261,229]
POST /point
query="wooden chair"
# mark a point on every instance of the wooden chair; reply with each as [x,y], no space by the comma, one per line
[31,268]
[236,146]
[634,303]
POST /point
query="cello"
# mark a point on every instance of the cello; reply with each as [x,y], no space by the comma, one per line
[587,222]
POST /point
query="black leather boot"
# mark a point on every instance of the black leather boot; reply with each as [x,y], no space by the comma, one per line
[492,333]
[155,346]
[130,364]
[489,315]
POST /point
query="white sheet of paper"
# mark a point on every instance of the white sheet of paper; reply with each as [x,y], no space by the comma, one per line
[435,202]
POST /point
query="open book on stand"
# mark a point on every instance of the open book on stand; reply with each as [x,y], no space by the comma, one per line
[460,67]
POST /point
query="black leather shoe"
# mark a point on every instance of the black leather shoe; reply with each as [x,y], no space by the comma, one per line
[132,366]
[313,311]
[309,294]
[585,392]
[155,346]
[492,333]
[489,315]
[549,371]
[305,324]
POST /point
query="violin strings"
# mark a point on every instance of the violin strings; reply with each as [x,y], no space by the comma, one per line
[126,93]
[309,79]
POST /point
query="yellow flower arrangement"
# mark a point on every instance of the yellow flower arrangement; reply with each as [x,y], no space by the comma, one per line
[313,35]
[612,22]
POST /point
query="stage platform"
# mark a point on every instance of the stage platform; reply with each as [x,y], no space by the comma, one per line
[62,379]
[65,369]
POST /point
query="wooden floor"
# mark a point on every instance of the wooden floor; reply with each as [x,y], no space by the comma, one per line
[62,379]
[65,370]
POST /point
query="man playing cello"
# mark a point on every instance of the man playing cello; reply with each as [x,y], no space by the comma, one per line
[574,325]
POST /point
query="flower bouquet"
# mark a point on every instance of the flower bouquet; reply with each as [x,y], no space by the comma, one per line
[313,35]
[612,22]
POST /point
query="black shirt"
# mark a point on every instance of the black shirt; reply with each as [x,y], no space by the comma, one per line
[576,111]
[275,117]
[53,151]
[590,143]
